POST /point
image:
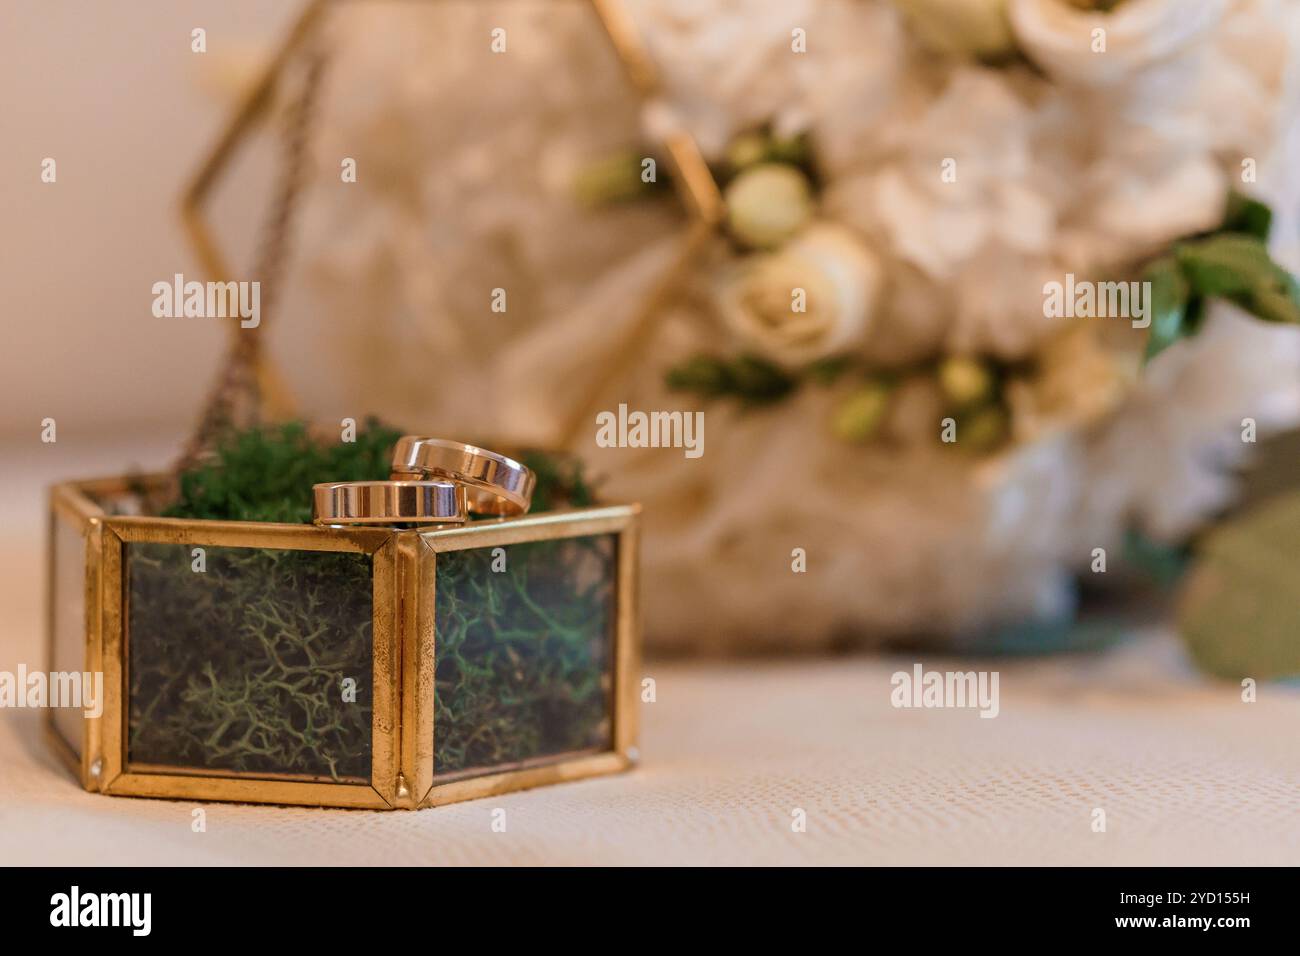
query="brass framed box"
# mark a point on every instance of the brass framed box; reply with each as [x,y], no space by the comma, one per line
[365,667]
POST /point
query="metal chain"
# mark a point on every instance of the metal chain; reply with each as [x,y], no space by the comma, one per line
[236,398]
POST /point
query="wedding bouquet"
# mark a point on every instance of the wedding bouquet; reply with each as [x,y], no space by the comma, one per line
[999,283]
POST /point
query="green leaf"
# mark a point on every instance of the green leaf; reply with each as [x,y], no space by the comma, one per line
[753,380]
[1165,564]
[1195,316]
[1246,215]
[859,416]
[983,428]
[1273,305]
[827,370]
[795,150]
[704,375]
[560,480]
[1237,611]
[1239,268]
[1169,297]
[1228,264]
[760,382]
[614,179]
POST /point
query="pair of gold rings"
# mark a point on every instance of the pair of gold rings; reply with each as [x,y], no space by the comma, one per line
[434,481]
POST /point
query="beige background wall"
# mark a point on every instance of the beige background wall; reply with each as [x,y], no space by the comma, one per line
[111,91]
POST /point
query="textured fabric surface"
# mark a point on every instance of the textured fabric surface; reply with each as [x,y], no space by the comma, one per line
[1186,773]
[1184,770]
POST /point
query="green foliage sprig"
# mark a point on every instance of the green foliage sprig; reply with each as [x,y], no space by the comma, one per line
[751,380]
[763,145]
[1232,263]
[973,389]
[621,177]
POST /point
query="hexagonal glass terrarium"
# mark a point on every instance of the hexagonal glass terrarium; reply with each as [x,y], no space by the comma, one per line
[359,667]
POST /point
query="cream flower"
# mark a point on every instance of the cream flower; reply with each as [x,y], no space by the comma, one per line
[966,176]
[1095,48]
[1080,379]
[977,27]
[813,297]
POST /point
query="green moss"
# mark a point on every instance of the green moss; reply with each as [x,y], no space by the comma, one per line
[242,666]
[561,482]
[266,474]
[523,668]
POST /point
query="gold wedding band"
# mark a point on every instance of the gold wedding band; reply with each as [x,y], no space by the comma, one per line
[388,502]
[497,485]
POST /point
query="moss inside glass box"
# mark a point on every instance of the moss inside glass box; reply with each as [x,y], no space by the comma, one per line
[523,652]
[239,662]
[241,666]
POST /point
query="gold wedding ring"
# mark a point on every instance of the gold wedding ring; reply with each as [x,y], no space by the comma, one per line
[388,502]
[496,485]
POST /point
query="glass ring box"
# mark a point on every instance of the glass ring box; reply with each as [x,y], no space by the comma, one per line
[350,667]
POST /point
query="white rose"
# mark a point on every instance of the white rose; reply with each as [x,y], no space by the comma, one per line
[975,27]
[1064,39]
[813,297]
